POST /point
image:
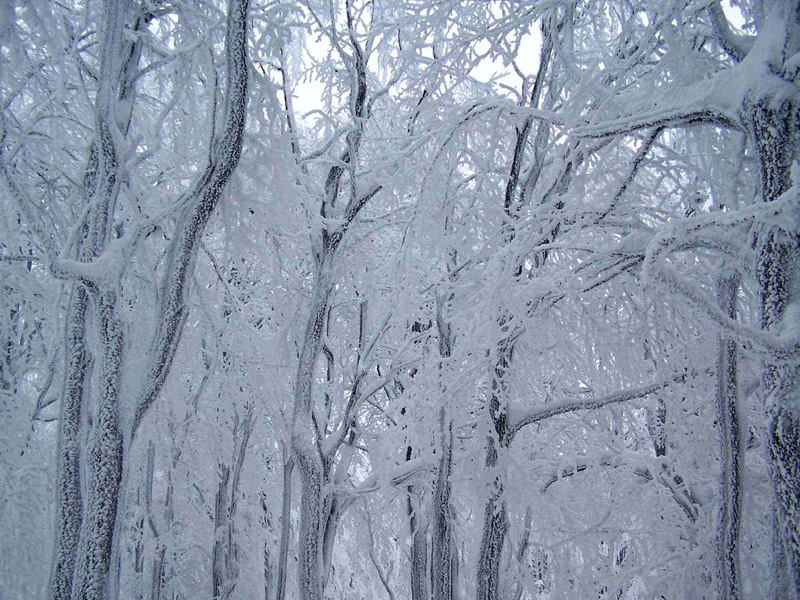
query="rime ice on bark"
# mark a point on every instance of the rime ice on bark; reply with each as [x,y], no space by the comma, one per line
[313,461]
[104,463]
[226,148]
[726,405]
[442,534]
[104,454]
[68,484]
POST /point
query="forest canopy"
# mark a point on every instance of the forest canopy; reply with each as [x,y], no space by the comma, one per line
[417,299]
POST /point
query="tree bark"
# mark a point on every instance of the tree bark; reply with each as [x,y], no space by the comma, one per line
[419,544]
[305,442]
[442,532]
[495,523]
[773,129]
[726,405]
[286,515]
[69,503]
[104,464]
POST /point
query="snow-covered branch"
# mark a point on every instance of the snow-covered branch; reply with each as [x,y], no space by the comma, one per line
[540,413]
[736,45]
[397,475]
[703,231]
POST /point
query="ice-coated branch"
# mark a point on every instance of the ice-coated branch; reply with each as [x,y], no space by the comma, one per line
[736,45]
[336,439]
[396,476]
[677,114]
[679,492]
[693,233]
[540,413]
[23,201]
[778,348]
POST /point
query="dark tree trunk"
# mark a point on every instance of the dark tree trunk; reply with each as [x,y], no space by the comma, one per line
[726,404]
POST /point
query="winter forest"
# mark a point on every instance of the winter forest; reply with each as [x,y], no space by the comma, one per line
[401,299]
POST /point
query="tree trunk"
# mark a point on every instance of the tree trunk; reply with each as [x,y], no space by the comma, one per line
[100,186]
[104,452]
[305,442]
[419,545]
[495,524]
[226,146]
[442,534]
[773,129]
[104,464]
[726,404]
[69,504]
[286,515]
[224,559]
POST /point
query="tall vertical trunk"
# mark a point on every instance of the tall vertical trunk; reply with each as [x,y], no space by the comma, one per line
[286,510]
[104,451]
[224,558]
[419,545]
[495,518]
[495,524]
[419,553]
[442,575]
[774,130]
[157,581]
[495,527]
[103,463]
[101,163]
[726,404]
[305,442]
[77,372]
[442,534]
[69,504]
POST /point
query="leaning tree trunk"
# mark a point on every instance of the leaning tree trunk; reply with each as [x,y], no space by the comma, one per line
[201,201]
[726,404]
